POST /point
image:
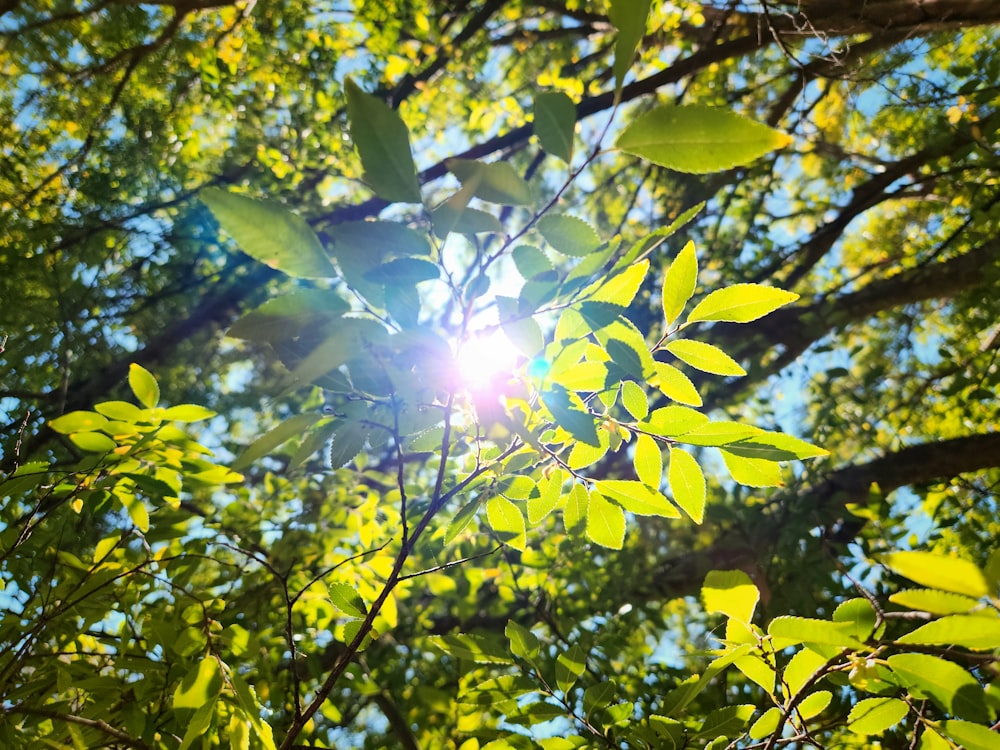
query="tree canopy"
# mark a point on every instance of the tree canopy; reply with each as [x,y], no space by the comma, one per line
[499,374]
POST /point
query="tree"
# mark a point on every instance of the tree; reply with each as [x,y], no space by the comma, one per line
[457,569]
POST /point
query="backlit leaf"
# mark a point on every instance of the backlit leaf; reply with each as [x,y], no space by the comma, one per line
[939,572]
[730,592]
[569,666]
[791,630]
[687,483]
[860,613]
[698,139]
[475,648]
[679,282]
[945,682]
[704,357]
[634,399]
[726,721]
[507,521]
[752,472]
[672,421]
[814,704]
[933,601]
[270,233]
[637,498]
[143,385]
[648,461]
[740,303]
[875,715]
[200,686]
[291,427]
[290,315]
[775,446]
[621,289]
[978,633]
[554,121]
[78,421]
[605,522]
[971,736]
[569,415]
[383,143]
[766,724]
[347,600]
[523,642]
[675,385]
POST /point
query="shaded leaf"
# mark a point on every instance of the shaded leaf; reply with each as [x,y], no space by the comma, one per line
[496,182]
[554,122]
[270,233]
[383,143]
[568,234]
[291,427]
[629,17]
[290,315]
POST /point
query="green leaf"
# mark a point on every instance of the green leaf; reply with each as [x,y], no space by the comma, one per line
[672,421]
[875,715]
[291,427]
[289,316]
[621,289]
[775,446]
[790,630]
[698,139]
[687,483]
[583,455]
[939,572]
[530,261]
[454,215]
[93,442]
[860,614]
[137,511]
[970,736]
[270,233]
[554,122]
[814,704]
[462,519]
[567,413]
[634,399]
[143,385]
[352,336]
[122,411]
[730,592]
[648,461]
[79,421]
[569,666]
[704,357]
[767,724]
[347,600]
[975,632]
[758,670]
[605,522]
[946,683]
[475,648]
[187,413]
[496,183]
[752,472]
[507,521]
[348,442]
[521,329]
[675,385]
[523,643]
[719,433]
[637,498]
[726,722]
[599,696]
[200,686]
[800,668]
[740,303]
[568,235]
[383,143]
[933,601]
[550,490]
[629,17]
[404,272]
[676,700]
[679,283]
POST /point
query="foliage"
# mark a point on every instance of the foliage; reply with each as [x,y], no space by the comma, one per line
[499,418]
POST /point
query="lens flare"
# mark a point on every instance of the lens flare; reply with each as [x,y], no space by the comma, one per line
[485,361]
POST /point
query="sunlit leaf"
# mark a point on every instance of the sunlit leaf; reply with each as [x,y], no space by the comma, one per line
[629,17]
[974,632]
[730,592]
[740,303]
[679,283]
[636,497]
[790,630]
[687,483]
[860,613]
[648,461]
[698,139]
[634,399]
[875,715]
[270,233]
[814,704]
[933,601]
[383,143]
[143,385]
[621,289]
[704,357]
[945,682]
[200,686]
[938,571]
[79,421]
[347,600]
[507,521]
[675,385]
[971,736]
[570,664]
[605,522]
[775,446]
[475,648]
[726,721]
[767,723]
[554,121]
[672,421]
[752,472]
[523,643]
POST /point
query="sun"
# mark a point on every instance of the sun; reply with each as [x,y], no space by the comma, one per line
[485,361]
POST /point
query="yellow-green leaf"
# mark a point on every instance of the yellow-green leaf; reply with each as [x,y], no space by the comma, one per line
[200,686]
[698,139]
[621,289]
[507,521]
[637,498]
[740,303]
[605,522]
[766,724]
[948,684]
[875,715]
[971,736]
[978,633]
[687,483]
[143,385]
[634,399]
[730,592]
[939,572]
[934,601]
[93,442]
[648,461]
[752,472]
[704,357]
[675,385]
[679,282]
[814,704]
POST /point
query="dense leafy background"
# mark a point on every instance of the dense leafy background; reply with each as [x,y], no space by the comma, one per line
[152,599]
